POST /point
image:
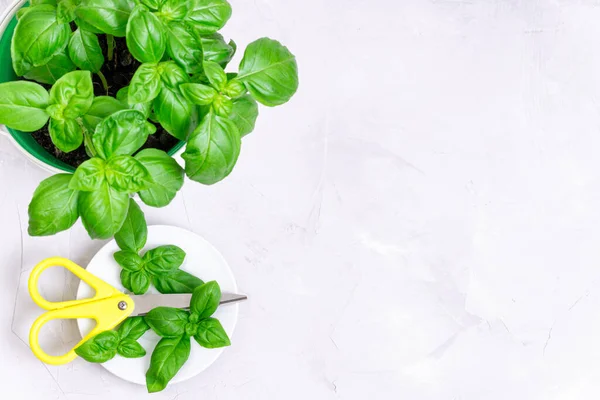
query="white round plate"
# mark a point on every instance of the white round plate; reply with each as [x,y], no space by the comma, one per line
[203,261]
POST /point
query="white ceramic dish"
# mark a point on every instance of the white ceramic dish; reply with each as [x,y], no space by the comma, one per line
[203,261]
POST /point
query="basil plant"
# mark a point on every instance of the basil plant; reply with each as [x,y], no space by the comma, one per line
[182,84]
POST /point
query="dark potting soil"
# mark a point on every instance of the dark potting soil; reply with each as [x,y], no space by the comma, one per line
[118,73]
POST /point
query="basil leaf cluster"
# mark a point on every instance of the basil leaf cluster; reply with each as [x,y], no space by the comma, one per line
[182,85]
[176,327]
[158,266]
[106,345]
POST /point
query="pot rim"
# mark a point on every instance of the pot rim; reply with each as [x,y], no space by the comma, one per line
[5,19]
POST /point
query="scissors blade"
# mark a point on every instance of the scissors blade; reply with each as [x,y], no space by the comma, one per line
[145,303]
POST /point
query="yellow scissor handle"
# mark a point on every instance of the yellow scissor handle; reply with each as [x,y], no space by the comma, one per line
[109,307]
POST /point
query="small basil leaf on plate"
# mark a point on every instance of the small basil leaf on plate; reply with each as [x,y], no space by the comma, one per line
[85,51]
[244,114]
[205,299]
[23,105]
[108,340]
[173,10]
[146,39]
[89,176]
[133,328]
[122,133]
[92,352]
[168,357]
[66,10]
[211,334]
[53,207]
[176,282]
[235,89]
[140,282]
[167,177]
[222,106]
[103,211]
[167,321]
[129,260]
[164,259]
[126,174]
[269,71]
[129,348]
[134,232]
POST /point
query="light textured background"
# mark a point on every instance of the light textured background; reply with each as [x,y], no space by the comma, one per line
[421,222]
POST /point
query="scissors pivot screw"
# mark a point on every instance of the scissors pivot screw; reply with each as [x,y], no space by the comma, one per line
[122,306]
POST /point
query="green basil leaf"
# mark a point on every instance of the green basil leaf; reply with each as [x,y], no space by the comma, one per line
[166,174]
[176,282]
[100,348]
[129,260]
[217,50]
[208,16]
[211,334]
[168,357]
[222,106]
[85,51]
[144,108]
[126,279]
[140,282]
[126,174]
[269,71]
[153,4]
[205,299]
[89,176]
[145,84]
[198,93]
[212,150]
[172,74]
[66,10]
[129,348]
[167,321]
[38,37]
[191,329]
[145,36]
[93,353]
[66,134]
[133,328]
[102,107]
[108,340]
[53,207]
[244,114]
[49,73]
[74,93]
[173,10]
[134,232]
[103,211]
[105,16]
[23,105]
[235,89]
[164,259]
[122,133]
[175,113]
[215,75]
[184,45]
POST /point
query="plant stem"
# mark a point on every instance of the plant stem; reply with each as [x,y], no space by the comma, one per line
[104,82]
[87,139]
[110,42]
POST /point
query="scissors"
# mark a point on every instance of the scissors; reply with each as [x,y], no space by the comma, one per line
[109,307]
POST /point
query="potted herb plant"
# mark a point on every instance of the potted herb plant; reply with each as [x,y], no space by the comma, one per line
[113,88]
